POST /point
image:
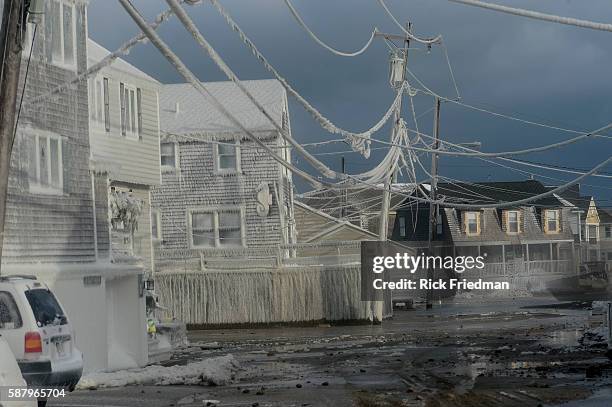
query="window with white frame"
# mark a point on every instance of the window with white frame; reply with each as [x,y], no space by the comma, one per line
[46,166]
[131,118]
[227,156]
[216,228]
[156,233]
[551,221]
[63,33]
[472,223]
[98,102]
[512,222]
[168,155]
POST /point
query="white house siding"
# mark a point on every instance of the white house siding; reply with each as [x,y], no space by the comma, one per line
[196,185]
[134,160]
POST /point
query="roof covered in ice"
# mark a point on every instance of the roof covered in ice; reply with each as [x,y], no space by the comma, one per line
[184,110]
[96,53]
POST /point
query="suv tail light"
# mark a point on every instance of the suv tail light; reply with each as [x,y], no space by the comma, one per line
[33,343]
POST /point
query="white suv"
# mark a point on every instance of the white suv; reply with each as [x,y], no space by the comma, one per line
[36,328]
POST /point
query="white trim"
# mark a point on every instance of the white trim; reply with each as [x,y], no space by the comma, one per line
[62,63]
[133,131]
[156,214]
[216,158]
[478,226]
[214,211]
[34,183]
[169,168]
[518,222]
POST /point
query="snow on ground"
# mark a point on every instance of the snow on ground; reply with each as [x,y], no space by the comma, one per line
[215,371]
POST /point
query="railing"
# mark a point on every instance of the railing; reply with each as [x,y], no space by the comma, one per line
[524,268]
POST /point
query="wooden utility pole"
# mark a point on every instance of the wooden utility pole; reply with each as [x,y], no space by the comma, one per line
[433,195]
[14,16]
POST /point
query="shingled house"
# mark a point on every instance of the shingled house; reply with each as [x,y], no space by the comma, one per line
[51,230]
[520,240]
[221,195]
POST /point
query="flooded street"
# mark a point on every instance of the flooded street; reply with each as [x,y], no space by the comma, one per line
[524,352]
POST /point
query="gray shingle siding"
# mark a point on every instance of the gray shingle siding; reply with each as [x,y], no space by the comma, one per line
[52,228]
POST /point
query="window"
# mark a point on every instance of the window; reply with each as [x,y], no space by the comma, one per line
[107,125]
[609,256]
[155,224]
[130,115]
[472,223]
[98,103]
[608,231]
[551,219]
[216,228]
[46,167]
[45,307]
[227,157]
[9,312]
[203,229]
[592,232]
[168,155]
[63,34]
[512,222]
[402,226]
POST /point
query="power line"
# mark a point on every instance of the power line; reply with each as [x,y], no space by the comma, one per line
[537,15]
[323,44]
[357,141]
[426,41]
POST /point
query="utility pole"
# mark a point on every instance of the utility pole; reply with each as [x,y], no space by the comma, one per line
[344,193]
[386,198]
[433,196]
[14,16]
[384,212]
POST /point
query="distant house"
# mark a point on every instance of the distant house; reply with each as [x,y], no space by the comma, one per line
[124,136]
[361,207]
[320,234]
[53,223]
[221,194]
[521,240]
[593,225]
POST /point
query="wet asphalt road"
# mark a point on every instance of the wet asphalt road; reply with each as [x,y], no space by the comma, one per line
[460,355]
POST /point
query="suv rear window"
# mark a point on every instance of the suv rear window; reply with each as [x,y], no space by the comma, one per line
[9,313]
[47,310]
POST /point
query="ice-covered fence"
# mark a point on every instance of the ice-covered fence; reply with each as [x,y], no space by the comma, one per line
[287,294]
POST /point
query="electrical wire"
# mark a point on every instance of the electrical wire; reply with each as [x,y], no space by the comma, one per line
[537,15]
[426,41]
[357,141]
[323,44]
[107,60]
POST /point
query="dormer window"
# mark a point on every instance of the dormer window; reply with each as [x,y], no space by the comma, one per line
[551,221]
[472,223]
[513,222]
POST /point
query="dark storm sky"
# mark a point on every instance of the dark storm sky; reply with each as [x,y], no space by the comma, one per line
[540,71]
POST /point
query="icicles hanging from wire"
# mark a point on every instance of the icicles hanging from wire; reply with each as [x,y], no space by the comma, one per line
[323,44]
[358,141]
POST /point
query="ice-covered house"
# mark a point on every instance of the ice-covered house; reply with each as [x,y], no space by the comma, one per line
[124,137]
[51,228]
[222,195]
[530,242]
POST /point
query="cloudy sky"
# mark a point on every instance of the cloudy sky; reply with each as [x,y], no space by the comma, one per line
[549,73]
